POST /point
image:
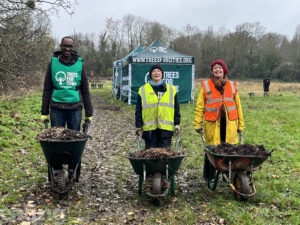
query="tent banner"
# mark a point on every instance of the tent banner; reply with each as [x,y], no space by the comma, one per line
[162,59]
[179,75]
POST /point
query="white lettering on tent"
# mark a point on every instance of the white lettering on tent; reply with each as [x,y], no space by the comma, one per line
[178,60]
[169,81]
[158,49]
[171,75]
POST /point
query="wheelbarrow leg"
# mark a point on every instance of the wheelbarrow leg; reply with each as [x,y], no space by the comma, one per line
[172,180]
[141,180]
[49,173]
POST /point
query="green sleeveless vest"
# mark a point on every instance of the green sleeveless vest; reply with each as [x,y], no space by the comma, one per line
[66,81]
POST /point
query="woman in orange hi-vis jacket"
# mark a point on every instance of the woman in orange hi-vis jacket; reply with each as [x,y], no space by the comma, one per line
[218,113]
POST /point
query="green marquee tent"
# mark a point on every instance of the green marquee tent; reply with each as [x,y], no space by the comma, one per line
[178,70]
[117,69]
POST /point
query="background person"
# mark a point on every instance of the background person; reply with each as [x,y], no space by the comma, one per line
[218,111]
[157,112]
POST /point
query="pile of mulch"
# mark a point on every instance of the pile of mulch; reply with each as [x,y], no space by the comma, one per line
[244,150]
[156,153]
[61,134]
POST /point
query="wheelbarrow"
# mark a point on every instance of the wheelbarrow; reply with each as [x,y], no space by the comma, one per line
[159,173]
[236,170]
[64,160]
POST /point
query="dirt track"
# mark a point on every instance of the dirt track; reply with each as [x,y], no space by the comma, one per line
[108,184]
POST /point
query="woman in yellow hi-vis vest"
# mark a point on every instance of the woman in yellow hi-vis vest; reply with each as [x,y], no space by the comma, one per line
[218,111]
[157,113]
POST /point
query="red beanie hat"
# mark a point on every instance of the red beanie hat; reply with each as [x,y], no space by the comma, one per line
[220,62]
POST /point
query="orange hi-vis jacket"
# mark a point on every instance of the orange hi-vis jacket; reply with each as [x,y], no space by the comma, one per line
[214,100]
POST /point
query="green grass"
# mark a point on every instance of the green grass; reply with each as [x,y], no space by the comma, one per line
[272,121]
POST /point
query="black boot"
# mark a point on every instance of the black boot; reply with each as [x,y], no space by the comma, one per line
[208,169]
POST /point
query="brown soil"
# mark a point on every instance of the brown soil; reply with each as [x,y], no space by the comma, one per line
[243,150]
[156,153]
[61,134]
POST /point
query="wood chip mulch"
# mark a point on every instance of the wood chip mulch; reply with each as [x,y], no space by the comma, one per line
[156,153]
[243,150]
[61,134]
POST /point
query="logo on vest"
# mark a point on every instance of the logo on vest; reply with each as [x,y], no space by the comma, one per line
[68,77]
[60,77]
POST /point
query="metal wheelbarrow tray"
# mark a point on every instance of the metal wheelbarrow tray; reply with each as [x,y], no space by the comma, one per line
[237,171]
[63,157]
[159,170]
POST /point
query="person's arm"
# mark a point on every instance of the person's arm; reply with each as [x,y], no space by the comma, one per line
[199,111]
[47,91]
[85,92]
[138,113]
[241,123]
[177,115]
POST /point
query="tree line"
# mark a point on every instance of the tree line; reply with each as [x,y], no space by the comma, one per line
[249,51]
[26,45]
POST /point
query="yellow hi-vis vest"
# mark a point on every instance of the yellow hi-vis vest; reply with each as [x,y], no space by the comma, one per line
[157,113]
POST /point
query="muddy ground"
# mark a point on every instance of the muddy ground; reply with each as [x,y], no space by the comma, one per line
[108,186]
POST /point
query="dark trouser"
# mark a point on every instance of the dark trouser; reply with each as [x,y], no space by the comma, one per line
[208,168]
[157,139]
[62,117]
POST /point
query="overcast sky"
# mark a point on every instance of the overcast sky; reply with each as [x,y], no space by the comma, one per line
[275,15]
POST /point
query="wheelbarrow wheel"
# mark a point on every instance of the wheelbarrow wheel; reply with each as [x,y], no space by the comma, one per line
[242,184]
[156,183]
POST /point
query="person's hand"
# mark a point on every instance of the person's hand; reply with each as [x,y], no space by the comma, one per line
[199,130]
[139,132]
[44,118]
[177,129]
[88,119]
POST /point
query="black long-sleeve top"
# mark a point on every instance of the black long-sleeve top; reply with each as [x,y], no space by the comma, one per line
[85,98]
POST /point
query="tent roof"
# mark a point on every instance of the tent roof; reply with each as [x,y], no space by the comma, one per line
[120,62]
[159,53]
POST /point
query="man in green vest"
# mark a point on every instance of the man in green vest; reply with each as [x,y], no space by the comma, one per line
[66,89]
[157,113]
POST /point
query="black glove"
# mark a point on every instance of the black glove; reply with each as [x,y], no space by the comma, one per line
[199,130]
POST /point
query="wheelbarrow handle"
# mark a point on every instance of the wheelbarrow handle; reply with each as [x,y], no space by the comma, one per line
[138,142]
[178,141]
[241,138]
[46,123]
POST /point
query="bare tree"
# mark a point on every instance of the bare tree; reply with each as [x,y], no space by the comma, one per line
[25,41]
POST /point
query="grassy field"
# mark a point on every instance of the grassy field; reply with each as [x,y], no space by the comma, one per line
[272,121]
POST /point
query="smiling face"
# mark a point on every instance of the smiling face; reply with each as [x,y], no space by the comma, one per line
[156,75]
[218,71]
[66,48]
